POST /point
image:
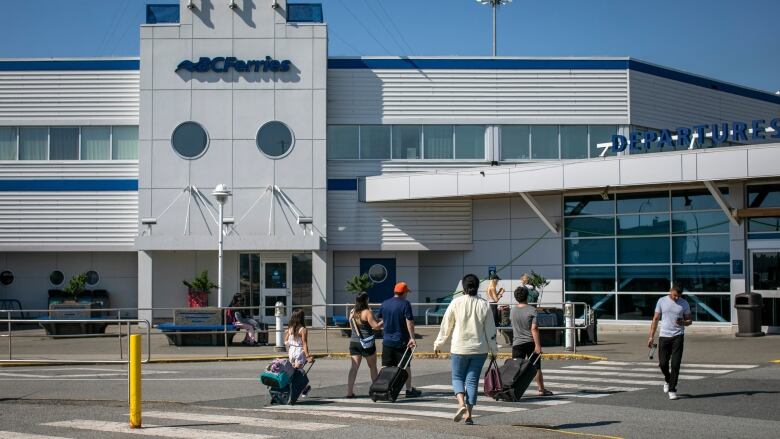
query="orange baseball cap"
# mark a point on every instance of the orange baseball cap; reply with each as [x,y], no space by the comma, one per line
[401,288]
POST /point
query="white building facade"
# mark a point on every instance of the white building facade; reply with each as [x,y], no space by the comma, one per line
[604,175]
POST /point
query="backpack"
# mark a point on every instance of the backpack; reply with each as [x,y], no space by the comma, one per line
[230,318]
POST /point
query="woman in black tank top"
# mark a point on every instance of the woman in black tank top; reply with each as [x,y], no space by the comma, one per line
[362,323]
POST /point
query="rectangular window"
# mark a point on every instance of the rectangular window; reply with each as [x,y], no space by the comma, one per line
[574,141]
[7,143]
[700,249]
[707,278]
[603,305]
[710,308]
[470,142]
[515,142]
[637,306]
[766,270]
[700,222]
[645,278]
[600,134]
[589,205]
[302,280]
[95,143]
[276,275]
[33,143]
[643,250]
[249,278]
[636,225]
[438,141]
[590,278]
[375,142]
[643,202]
[64,143]
[124,143]
[589,226]
[406,141]
[343,141]
[544,142]
[590,251]
[695,200]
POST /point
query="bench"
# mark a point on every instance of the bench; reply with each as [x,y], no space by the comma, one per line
[14,306]
[197,335]
[439,310]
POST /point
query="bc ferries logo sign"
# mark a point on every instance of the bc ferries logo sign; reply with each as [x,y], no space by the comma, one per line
[223,64]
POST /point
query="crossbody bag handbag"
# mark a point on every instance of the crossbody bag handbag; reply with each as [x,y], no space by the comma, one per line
[367,342]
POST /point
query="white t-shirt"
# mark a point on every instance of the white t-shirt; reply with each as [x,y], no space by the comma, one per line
[670,311]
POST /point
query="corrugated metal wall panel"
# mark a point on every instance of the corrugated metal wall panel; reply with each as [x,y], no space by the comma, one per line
[477,96]
[93,169]
[60,219]
[408,225]
[363,168]
[664,103]
[57,97]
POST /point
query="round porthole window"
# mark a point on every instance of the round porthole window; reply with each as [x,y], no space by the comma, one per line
[6,277]
[274,139]
[92,278]
[189,140]
[377,273]
[56,278]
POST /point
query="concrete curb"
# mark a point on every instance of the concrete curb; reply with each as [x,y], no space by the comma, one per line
[420,355]
[775,361]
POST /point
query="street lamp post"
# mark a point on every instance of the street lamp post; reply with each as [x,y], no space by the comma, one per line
[221,193]
[494,4]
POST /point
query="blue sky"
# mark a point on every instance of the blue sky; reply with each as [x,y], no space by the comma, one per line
[733,41]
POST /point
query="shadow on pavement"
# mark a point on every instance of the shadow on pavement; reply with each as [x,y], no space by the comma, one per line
[585,425]
[715,395]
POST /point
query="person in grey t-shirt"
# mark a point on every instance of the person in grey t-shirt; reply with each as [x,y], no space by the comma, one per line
[525,334]
[675,314]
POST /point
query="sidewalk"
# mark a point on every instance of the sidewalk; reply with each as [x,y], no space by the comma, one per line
[32,344]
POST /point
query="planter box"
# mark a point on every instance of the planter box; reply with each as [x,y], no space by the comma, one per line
[75,311]
[197,299]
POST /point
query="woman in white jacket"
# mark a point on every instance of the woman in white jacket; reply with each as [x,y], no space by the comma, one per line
[469,322]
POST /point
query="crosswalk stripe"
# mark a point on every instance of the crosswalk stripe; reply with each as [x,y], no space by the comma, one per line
[374,409]
[153,430]
[436,387]
[418,403]
[531,400]
[16,435]
[590,387]
[622,374]
[243,420]
[347,415]
[647,369]
[706,366]
[606,380]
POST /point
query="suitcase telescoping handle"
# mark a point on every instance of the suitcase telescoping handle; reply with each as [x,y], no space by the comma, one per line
[307,369]
[408,359]
[538,357]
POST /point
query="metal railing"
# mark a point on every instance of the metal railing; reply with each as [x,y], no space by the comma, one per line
[125,318]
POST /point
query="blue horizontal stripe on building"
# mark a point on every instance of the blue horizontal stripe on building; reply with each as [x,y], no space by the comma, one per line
[69,185]
[342,184]
[74,64]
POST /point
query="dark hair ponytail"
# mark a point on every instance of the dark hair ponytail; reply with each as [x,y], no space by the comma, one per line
[470,284]
[361,303]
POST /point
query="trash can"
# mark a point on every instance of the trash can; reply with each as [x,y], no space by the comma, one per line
[748,307]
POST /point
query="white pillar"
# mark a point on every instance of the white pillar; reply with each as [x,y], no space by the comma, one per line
[220,258]
[145,285]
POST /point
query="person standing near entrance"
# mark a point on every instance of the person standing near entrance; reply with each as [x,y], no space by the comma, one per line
[533,295]
[396,313]
[675,314]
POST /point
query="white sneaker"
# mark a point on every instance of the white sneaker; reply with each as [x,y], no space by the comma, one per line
[666,387]
[672,395]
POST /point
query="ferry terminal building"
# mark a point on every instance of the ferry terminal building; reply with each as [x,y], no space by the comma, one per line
[419,169]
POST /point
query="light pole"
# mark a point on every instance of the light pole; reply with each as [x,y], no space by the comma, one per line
[221,193]
[495,4]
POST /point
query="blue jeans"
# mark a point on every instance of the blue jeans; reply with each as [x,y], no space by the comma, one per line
[465,375]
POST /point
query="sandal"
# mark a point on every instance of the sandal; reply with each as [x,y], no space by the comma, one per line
[545,392]
[469,421]
[352,396]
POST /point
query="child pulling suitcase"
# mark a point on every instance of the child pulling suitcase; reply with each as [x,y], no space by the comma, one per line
[285,384]
[391,379]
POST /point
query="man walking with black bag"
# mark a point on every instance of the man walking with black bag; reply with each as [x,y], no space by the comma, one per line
[675,314]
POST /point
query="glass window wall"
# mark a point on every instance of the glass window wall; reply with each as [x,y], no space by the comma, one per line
[33,143]
[515,142]
[573,141]
[7,143]
[343,141]
[634,245]
[64,143]
[470,142]
[600,134]
[763,196]
[407,141]
[544,142]
[96,143]
[374,142]
[438,141]
[124,143]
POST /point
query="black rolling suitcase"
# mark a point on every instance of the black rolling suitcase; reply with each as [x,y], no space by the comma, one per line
[391,380]
[516,376]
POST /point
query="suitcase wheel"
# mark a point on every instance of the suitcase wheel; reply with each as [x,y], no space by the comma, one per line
[393,398]
[373,398]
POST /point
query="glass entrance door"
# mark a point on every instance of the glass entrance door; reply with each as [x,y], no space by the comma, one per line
[275,287]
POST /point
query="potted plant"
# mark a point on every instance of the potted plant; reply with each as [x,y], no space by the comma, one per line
[539,282]
[359,283]
[76,285]
[199,289]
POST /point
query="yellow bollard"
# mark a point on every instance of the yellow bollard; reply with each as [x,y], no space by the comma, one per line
[134,378]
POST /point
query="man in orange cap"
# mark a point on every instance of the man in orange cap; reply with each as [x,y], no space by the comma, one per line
[396,312]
